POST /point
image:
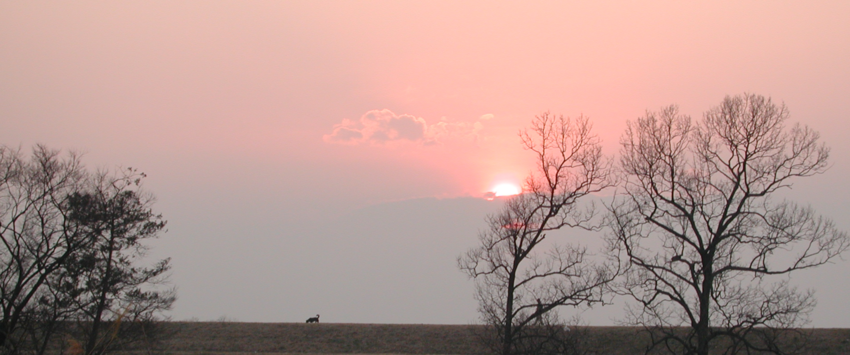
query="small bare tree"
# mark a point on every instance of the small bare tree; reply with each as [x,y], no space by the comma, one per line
[517,279]
[702,231]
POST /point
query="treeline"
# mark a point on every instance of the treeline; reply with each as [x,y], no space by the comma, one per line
[72,240]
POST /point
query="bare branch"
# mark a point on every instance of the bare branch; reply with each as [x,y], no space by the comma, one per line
[518,279]
[700,231]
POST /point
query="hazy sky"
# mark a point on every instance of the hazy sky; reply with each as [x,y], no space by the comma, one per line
[330,157]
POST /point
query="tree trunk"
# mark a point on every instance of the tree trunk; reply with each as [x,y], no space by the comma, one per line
[703,327]
[3,337]
[100,304]
[507,338]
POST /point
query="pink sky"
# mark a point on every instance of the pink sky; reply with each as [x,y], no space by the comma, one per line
[231,109]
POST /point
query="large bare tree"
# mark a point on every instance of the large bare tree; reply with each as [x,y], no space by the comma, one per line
[34,231]
[518,278]
[71,244]
[117,300]
[708,241]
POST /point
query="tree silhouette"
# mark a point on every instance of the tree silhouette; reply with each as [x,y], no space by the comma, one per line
[70,248]
[112,290]
[36,239]
[519,279]
[706,240]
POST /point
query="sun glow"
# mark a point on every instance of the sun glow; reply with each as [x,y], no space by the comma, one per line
[506,189]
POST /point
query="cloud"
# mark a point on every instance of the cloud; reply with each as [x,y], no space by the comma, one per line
[378,126]
[383,126]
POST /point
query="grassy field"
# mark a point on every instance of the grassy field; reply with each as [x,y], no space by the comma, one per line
[322,338]
[231,338]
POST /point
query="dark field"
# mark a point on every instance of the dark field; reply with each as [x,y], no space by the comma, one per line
[231,338]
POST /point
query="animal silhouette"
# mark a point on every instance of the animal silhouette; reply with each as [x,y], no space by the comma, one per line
[313,319]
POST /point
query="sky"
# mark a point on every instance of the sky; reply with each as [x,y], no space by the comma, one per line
[333,157]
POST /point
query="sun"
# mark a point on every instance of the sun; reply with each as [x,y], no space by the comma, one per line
[506,189]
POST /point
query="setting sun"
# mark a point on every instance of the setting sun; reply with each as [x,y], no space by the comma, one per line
[506,189]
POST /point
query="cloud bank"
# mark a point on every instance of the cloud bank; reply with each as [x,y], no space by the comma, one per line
[382,126]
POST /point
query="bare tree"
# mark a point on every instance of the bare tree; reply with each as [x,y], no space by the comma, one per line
[517,279]
[36,238]
[706,239]
[117,300]
[70,243]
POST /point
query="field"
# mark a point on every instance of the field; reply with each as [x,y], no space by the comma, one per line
[232,338]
